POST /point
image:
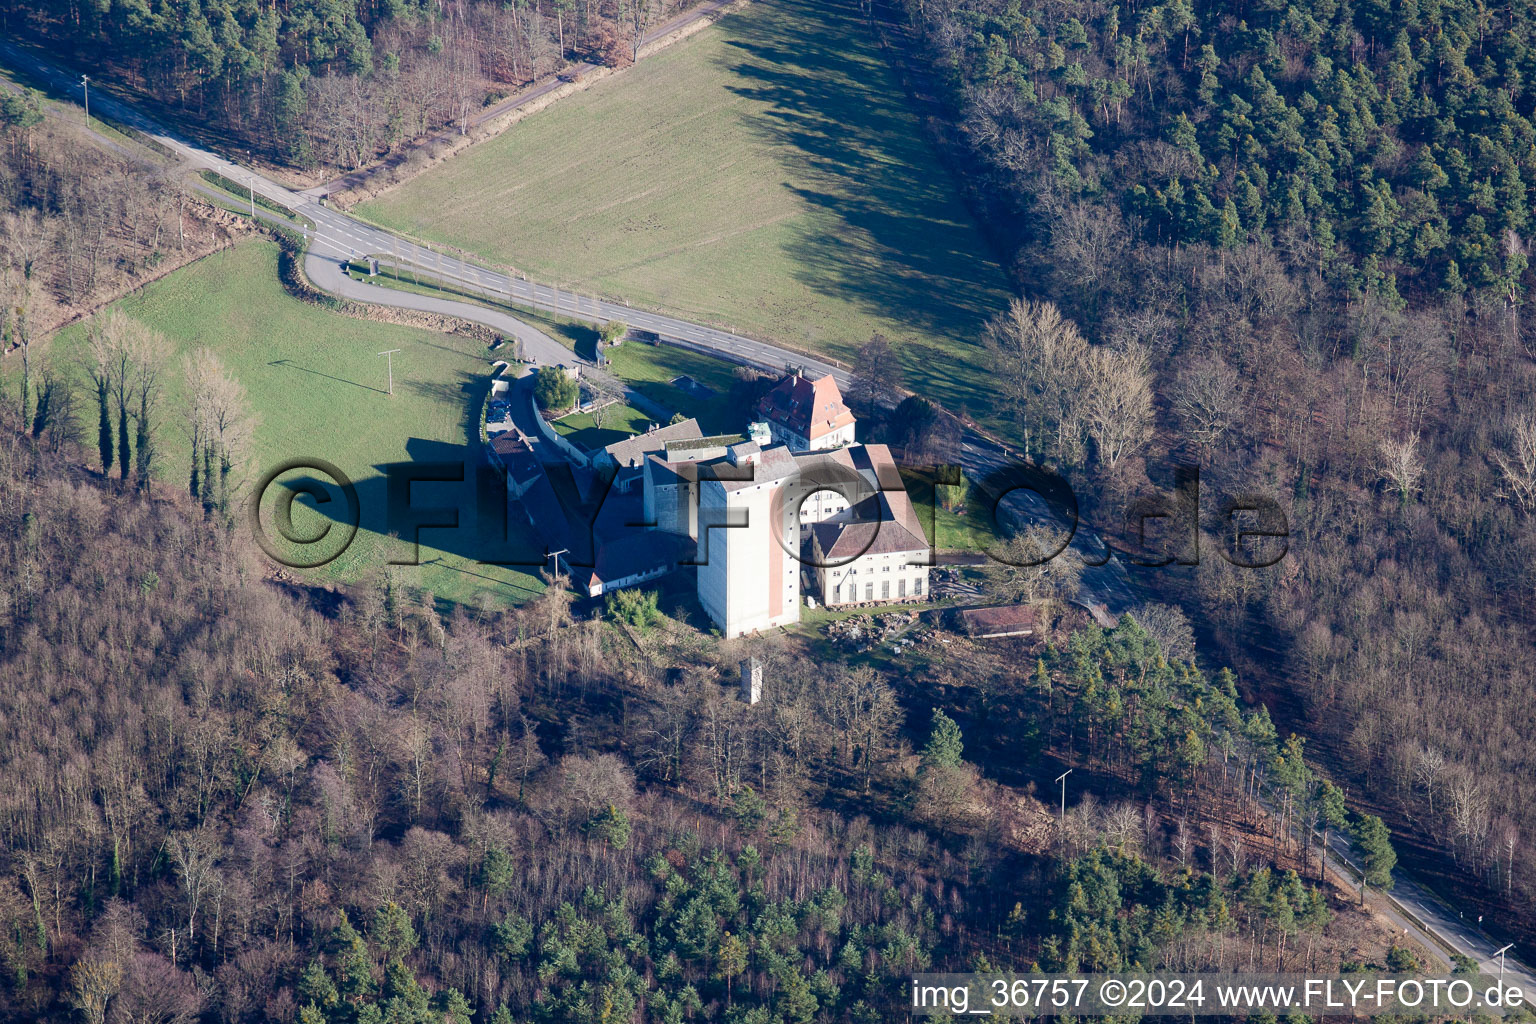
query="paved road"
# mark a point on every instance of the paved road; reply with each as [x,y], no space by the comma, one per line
[337,236]
[326,274]
[1106,589]
[1419,912]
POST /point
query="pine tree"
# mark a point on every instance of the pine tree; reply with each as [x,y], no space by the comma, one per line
[945,744]
[354,965]
[392,932]
[316,987]
[730,960]
[496,875]
[1373,842]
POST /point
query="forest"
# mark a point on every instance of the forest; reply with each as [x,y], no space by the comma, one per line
[1284,241]
[79,224]
[329,84]
[240,800]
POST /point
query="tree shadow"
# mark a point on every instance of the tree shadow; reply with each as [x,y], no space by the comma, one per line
[896,239]
[468,392]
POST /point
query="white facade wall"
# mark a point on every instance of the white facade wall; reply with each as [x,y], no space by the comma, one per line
[821,506]
[602,587]
[748,581]
[837,439]
[796,443]
[875,579]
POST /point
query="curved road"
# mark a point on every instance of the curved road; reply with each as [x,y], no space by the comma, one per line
[327,275]
[338,236]
[1105,589]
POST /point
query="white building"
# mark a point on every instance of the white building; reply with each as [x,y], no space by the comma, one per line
[807,415]
[759,516]
[748,581]
[876,551]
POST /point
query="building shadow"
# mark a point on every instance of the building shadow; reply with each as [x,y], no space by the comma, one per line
[443,496]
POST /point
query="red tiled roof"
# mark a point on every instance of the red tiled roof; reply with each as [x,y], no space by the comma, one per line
[999,620]
[811,409]
[883,523]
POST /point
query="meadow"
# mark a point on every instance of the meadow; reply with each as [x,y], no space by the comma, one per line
[320,390]
[765,175]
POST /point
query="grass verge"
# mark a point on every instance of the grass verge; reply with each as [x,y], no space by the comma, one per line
[649,369]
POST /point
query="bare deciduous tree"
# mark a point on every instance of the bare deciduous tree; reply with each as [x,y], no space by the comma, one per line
[1065,390]
[604,395]
[1401,465]
[877,376]
[1031,567]
[1428,766]
[193,853]
[1207,398]
[1040,358]
[1518,463]
[92,984]
[1118,403]
[219,428]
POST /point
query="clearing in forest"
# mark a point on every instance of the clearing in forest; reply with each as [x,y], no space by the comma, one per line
[766,174]
[315,382]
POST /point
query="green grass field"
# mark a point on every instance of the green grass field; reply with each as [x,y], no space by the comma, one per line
[650,370]
[965,528]
[765,174]
[619,422]
[320,390]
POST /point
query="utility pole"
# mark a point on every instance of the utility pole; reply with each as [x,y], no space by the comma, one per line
[389,359]
[85,84]
[554,560]
[1062,778]
[250,180]
[1500,954]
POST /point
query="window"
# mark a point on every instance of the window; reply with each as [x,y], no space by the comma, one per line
[837,592]
[869,591]
[885,568]
[917,586]
[885,590]
[901,588]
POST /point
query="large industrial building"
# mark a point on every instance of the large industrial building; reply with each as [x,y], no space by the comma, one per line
[800,511]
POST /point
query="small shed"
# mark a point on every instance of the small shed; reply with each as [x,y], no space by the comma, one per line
[999,621]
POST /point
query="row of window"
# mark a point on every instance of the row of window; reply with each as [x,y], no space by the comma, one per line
[852,590]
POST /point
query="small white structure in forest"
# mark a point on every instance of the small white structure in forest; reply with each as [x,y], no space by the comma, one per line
[751,680]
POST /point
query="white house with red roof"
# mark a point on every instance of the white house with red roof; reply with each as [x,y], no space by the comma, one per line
[807,415]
